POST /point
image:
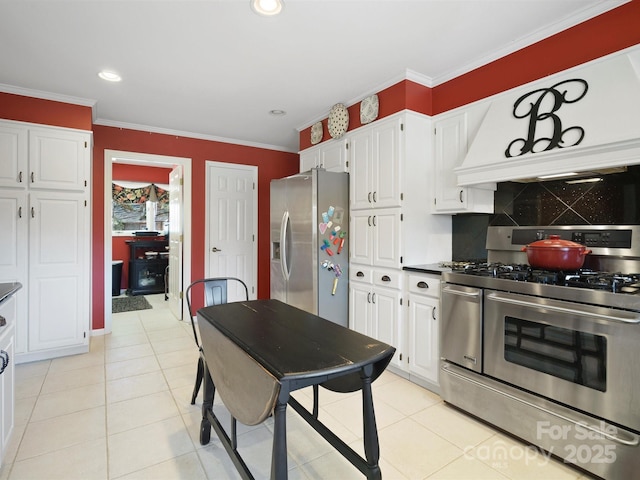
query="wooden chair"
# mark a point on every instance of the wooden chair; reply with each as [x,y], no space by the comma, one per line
[215,293]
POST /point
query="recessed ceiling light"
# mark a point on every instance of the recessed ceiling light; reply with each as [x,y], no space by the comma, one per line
[109,76]
[267,7]
[277,113]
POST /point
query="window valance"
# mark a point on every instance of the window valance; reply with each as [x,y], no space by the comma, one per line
[127,194]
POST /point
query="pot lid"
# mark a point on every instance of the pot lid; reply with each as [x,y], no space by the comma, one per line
[555,242]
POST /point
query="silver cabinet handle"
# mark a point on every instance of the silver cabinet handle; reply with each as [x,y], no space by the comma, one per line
[369,197]
[433,313]
[461,200]
[373,298]
[374,221]
[369,220]
[369,297]
[375,197]
[215,249]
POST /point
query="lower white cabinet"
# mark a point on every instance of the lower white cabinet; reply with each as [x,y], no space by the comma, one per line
[423,310]
[7,369]
[375,302]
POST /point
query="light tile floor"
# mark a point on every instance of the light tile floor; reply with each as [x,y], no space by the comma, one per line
[123,411]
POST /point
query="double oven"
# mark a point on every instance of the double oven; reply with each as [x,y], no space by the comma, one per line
[551,357]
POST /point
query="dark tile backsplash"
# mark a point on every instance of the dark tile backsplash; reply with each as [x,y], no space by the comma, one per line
[612,201]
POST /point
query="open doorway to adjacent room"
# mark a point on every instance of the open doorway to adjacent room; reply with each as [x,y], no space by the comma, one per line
[179,225]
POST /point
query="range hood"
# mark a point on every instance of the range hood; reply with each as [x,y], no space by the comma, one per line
[588,118]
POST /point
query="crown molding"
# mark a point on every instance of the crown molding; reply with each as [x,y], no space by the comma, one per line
[180,133]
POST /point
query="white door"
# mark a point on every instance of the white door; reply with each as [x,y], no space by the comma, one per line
[232,225]
[176,239]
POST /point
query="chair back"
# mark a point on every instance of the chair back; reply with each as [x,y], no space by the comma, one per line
[215,293]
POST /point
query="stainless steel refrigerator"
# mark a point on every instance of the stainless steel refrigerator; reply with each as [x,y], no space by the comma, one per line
[310,243]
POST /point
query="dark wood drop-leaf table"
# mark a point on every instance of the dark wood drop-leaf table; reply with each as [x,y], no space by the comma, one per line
[257,352]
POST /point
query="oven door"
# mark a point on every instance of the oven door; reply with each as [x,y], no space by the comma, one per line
[580,355]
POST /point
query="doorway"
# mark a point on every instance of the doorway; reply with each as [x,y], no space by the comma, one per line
[133,158]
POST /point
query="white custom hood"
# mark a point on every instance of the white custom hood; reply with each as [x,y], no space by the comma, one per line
[591,111]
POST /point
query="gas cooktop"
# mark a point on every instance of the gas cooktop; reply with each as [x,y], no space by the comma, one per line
[615,282]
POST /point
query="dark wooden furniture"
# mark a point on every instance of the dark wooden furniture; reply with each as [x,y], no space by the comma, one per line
[146,273]
[258,352]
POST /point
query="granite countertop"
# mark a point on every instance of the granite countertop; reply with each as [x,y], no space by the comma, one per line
[432,268]
[7,289]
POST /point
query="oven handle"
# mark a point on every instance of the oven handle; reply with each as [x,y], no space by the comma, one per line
[523,303]
[461,293]
[633,442]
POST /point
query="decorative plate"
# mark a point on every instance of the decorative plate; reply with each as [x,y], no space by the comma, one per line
[338,120]
[369,109]
[316,133]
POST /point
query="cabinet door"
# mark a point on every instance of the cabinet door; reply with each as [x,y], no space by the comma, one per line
[387,163]
[423,337]
[386,319]
[361,169]
[451,147]
[333,156]
[13,155]
[309,158]
[14,222]
[386,238]
[7,382]
[58,270]
[361,237]
[58,159]
[360,308]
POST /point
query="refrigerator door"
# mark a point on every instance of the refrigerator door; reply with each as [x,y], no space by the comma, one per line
[277,239]
[332,201]
[301,287]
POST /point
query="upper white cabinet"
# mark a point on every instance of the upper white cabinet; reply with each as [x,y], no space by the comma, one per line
[58,159]
[451,145]
[13,155]
[376,168]
[43,158]
[330,155]
[45,236]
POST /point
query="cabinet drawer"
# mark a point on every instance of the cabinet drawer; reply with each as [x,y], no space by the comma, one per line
[424,285]
[388,278]
[360,273]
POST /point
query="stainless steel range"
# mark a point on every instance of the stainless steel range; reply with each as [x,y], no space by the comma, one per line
[551,357]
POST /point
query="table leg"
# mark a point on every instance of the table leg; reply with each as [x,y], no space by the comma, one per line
[279,469]
[208,394]
[371,444]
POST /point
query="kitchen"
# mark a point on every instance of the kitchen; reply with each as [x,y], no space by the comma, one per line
[272,164]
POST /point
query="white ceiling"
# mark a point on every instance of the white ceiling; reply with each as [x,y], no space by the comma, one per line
[214,69]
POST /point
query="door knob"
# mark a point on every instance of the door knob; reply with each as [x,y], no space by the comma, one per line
[215,249]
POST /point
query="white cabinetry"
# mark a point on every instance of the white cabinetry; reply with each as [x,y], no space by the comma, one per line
[330,155]
[375,306]
[7,379]
[451,145]
[423,308]
[45,236]
[376,168]
[375,237]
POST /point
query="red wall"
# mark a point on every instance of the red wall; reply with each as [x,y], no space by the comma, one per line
[132,173]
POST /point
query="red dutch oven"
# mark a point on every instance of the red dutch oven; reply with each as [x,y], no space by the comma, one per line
[554,253]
